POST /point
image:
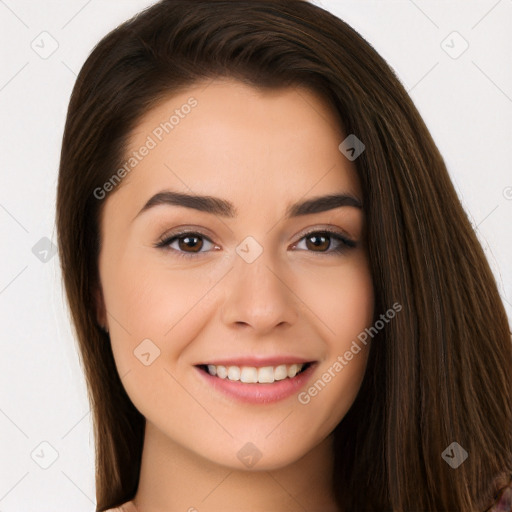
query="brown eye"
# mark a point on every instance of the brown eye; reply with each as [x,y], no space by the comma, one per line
[318,241]
[325,242]
[186,244]
[192,242]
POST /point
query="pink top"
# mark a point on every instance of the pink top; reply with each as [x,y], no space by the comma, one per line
[503,502]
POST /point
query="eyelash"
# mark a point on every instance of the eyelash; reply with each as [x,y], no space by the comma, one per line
[345,243]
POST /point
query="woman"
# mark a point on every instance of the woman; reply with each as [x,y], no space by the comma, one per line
[279,300]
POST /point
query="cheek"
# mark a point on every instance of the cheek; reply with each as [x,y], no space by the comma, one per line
[342,299]
[344,305]
[146,299]
[331,395]
[157,312]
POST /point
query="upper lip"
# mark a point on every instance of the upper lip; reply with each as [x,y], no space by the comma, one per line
[257,361]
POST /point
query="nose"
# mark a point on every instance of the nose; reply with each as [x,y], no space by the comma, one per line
[259,295]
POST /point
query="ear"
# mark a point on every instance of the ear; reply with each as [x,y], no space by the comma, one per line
[101,311]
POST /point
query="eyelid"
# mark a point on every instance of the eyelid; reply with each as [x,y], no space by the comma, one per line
[165,240]
[326,228]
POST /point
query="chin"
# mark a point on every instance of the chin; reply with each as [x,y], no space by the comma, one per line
[257,455]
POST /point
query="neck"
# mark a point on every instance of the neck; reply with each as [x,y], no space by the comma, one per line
[174,478]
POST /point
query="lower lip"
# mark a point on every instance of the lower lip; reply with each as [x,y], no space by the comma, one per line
[259,393]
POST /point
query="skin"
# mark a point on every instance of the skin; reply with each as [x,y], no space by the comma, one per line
[262,151]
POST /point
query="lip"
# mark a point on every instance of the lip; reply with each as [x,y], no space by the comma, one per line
[259,393]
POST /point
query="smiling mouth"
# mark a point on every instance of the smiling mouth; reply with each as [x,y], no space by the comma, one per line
[255,375]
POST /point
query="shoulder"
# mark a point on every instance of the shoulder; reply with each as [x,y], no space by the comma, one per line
[125,507]
[503,499]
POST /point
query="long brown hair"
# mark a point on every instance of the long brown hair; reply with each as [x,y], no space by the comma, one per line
[439,373]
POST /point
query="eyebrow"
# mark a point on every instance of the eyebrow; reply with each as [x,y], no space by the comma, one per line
[223,208]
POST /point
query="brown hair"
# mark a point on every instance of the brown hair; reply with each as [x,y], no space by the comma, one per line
[438,373]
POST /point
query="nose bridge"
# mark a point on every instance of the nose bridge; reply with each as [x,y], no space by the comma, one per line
[258,292]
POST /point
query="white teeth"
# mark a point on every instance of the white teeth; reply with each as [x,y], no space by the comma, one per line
[293,369]
[234,373]
[221,371]
[266,374]
[249,375]
[281,372]
[253,375]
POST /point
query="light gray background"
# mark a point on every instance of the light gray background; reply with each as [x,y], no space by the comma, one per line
[466,102]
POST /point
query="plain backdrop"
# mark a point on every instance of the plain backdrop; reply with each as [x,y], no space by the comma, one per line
[464,95]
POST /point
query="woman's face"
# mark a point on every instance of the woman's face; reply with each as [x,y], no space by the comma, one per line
[255,289]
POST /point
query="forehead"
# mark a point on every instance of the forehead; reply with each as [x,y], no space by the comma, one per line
[232,140]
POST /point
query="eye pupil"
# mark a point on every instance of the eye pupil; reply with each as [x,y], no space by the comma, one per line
[189,242]
[320,241]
